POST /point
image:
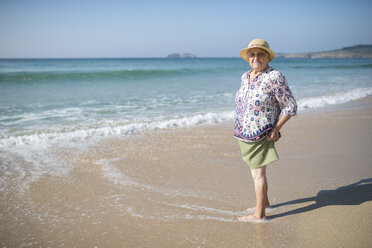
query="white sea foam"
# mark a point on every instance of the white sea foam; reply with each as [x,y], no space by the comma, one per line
[206,209]
[207,217]
[112,173]
[23,165]
[53,137]
[31,156]
[267,220]
[337,98]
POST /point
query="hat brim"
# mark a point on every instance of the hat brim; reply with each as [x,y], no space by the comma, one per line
[244,53]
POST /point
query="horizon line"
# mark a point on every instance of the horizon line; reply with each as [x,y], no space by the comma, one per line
[82,58]
[113,57]
[93,57]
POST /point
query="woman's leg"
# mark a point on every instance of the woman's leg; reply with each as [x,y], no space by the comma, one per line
[261,188]
[262,201]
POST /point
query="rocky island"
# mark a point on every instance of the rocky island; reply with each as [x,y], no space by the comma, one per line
[181,55]
[357,51]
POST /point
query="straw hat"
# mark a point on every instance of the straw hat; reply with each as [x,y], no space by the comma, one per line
[257,43]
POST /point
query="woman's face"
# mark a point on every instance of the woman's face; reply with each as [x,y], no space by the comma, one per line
[258,59]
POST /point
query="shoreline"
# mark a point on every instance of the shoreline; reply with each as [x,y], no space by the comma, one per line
[184,187]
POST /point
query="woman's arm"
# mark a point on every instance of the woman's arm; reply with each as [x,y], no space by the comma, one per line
[274,134]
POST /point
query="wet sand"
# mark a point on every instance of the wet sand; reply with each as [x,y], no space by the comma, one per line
[185,188]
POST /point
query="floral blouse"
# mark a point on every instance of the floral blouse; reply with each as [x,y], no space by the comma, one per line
[259,104]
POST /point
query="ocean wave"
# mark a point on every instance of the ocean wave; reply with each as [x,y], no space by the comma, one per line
[53,137]
[112,128]
[337,98]
[91,75]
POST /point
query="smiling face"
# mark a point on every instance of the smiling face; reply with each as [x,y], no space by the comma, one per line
[258,59]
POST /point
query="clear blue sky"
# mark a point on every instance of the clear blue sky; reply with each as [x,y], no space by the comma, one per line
[141,28]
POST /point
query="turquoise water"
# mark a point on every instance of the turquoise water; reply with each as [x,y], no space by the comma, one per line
[43,101]
[49,108]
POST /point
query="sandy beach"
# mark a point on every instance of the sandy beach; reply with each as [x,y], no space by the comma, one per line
[185,188]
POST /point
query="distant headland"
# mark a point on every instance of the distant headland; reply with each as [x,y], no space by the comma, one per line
[181,55]
[357,51]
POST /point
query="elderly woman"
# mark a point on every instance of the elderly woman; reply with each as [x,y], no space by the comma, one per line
[264,103]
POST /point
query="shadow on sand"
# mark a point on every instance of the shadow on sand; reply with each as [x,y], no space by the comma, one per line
[353,194]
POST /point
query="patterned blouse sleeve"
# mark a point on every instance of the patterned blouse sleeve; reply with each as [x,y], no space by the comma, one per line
[284,96]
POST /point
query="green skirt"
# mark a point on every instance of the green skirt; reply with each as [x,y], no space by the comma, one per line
[258,154]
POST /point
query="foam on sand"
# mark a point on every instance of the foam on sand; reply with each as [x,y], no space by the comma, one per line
[332,99]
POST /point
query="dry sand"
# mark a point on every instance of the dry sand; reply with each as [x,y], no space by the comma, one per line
[185,188]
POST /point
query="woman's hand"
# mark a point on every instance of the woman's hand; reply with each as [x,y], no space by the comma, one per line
[273,135]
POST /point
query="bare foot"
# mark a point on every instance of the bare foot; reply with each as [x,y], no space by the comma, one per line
[252,218]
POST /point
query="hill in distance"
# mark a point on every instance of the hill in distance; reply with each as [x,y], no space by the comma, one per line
[181,55]
[357,51]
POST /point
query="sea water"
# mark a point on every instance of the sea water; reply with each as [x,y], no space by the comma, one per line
[49,102]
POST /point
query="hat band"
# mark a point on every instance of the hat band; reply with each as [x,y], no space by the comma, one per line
[257,45]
